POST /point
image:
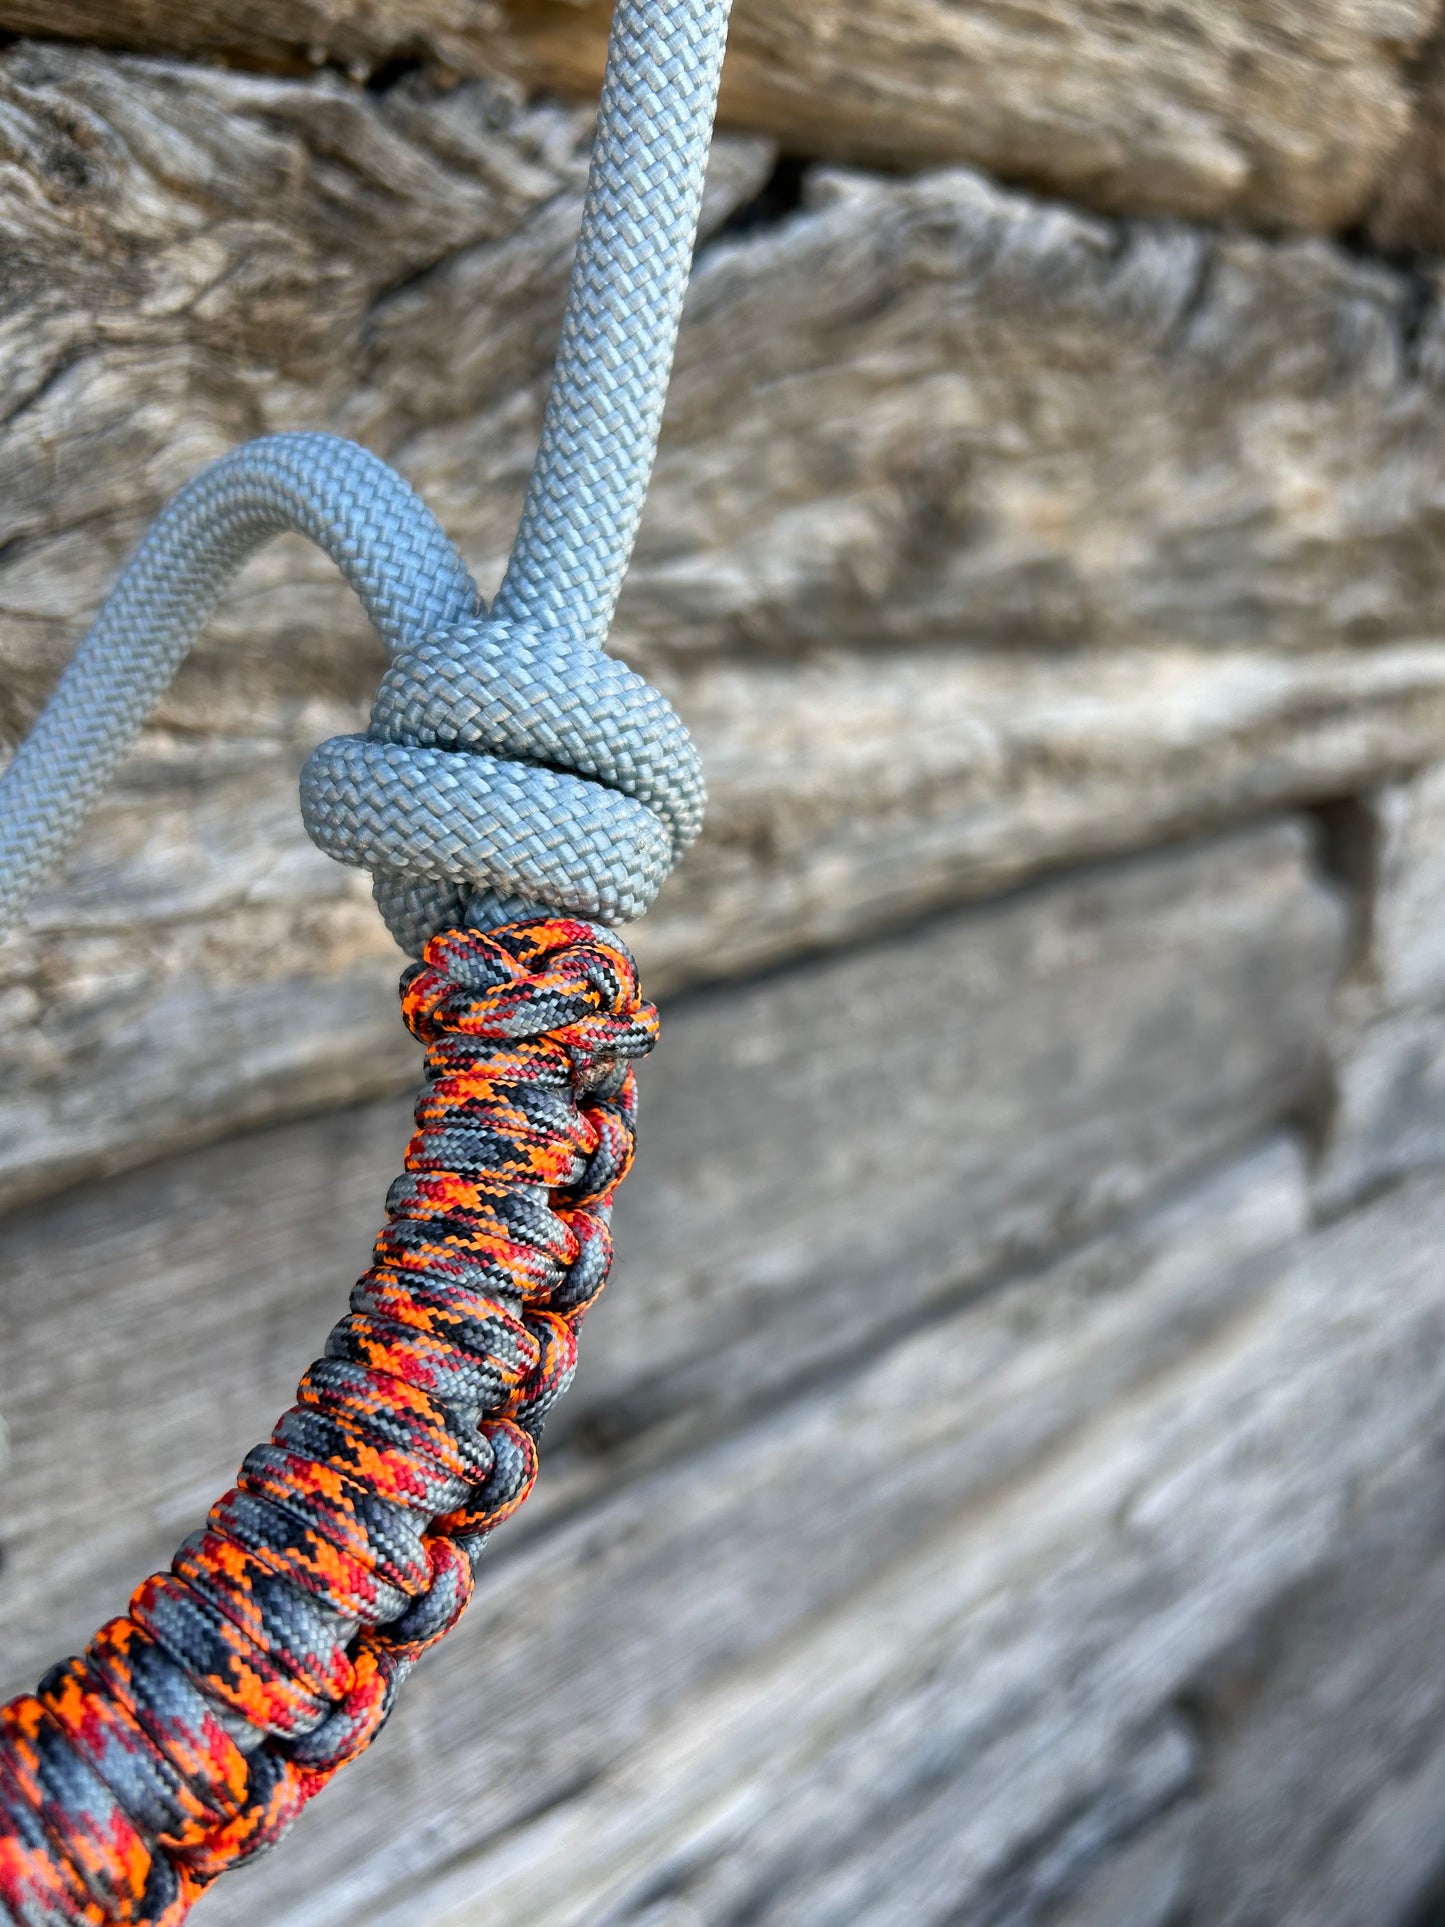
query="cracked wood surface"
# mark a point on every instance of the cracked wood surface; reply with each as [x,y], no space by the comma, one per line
[1308,116]
[1124,530]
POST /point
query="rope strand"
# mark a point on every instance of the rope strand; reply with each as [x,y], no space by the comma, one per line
[619,333]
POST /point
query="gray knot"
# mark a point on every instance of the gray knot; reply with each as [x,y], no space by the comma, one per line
[510,766]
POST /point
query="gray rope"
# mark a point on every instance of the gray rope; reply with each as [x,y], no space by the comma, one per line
[508,763]
[585,498]
[386,543]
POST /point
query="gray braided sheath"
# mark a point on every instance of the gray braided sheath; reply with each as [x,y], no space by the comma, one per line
[620,329]
[509,764]
[386,543]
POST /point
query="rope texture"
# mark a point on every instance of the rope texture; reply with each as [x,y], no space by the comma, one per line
[191,1732]
[509,764]
[456,811]
[385,542]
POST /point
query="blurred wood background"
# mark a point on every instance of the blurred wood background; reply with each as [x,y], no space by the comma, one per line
[1003,1486]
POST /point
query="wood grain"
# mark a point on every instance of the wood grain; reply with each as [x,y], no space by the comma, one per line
[1299,115]
[177,1307]
[1125,531]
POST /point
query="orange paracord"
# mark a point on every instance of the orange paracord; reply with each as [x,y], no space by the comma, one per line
[193,1730]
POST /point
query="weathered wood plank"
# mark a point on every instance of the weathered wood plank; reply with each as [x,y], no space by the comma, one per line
[950,462]
[844,795]
[1044,431]
[777,1671]
[945,1634]
[1282,115]
[1041,1064]
[680,1578]
[1387,1114]
[1035,1060]
[1047,429]
[848,790]
[1062,1662]
[1288,115]
[790,1683]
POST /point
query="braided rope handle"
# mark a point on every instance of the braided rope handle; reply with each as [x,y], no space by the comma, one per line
[192,1731]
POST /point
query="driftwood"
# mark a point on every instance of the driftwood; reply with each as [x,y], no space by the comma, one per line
[1315,116]
[1125,530]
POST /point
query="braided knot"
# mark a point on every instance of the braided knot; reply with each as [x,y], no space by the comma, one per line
[193,1730]
[506,758]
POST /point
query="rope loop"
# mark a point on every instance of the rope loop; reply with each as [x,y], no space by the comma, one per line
[566,784]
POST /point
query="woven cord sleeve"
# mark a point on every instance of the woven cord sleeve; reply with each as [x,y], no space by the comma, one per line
[188,1735]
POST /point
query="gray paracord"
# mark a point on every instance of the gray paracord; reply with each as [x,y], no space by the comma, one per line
[509,763]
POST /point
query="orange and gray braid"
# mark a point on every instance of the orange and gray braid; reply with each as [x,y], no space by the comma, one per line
[190,1733]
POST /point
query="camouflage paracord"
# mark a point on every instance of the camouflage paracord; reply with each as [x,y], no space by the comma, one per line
[347,1545]
[513,781]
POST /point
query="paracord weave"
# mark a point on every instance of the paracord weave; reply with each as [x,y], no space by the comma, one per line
[190,1733]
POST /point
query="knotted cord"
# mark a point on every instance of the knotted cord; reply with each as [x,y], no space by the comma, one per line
[421,801]
[510,771]
[191,1732]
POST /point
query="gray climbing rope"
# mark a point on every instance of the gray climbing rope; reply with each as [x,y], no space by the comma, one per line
[508,763]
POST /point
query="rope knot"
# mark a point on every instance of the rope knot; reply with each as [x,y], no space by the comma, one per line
[508,759]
